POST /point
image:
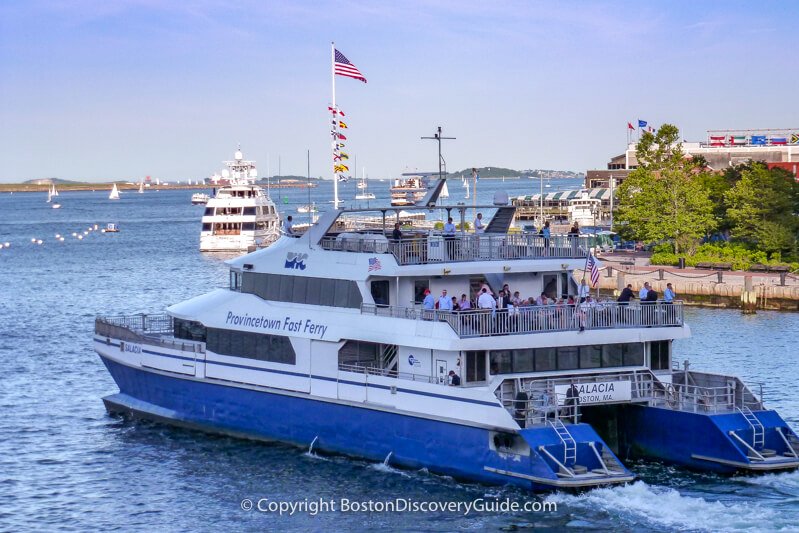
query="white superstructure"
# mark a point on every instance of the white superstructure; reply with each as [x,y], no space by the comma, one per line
[241,214]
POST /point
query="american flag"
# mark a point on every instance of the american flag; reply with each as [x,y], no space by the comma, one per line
[374,264]
[593,265]
[343,67]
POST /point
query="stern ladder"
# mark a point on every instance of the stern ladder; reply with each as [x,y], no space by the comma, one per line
[569,446]
[758,432]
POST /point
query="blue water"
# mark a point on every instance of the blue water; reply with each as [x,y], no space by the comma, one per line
[66,464]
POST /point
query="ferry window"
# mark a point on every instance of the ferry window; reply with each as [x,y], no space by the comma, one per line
[633,354]
[612,355]
[248,226]
[342,290]
[590,356]
[269,348]
[545,359]
[235,280]
[209,211]
[189,330]
[501,362]
[249,210]
[299,290]
[314,287]
[523,360]
[659,355]
[567,358]
[359,353]
[327,293]
[206,226]
[475,366]
[379,290]
[316,291]
[286,288]
[419,286]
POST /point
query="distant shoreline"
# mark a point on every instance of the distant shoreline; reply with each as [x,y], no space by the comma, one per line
[66,187]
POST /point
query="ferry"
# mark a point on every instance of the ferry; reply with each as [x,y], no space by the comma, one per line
[241,214]
[324,341]
[409,189]
[584,210]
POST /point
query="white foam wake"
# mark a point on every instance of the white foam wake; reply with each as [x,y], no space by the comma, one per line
[662,506]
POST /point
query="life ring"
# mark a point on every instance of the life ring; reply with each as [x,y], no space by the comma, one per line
[671,395]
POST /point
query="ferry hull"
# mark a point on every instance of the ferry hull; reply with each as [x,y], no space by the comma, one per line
[713,442]
[408,441]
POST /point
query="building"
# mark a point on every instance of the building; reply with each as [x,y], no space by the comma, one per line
[722,149]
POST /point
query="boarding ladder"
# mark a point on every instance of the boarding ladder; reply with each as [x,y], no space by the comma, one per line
[758,433]
[569,446]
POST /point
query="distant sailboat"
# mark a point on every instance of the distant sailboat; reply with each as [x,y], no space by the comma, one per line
[466,184]
[444,191]
[141,187]
[364,195]
[114,193]
[54,190]
[51,193]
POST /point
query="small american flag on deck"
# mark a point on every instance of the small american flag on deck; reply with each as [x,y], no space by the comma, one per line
[343,67]
[374,264]
[593,267]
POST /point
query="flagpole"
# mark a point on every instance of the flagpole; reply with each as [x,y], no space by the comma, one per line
[335,121]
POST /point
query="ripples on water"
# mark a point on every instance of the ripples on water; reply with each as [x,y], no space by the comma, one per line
[64,463]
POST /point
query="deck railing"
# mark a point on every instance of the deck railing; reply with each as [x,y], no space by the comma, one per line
[155,330]
[371,370]
[542,319]
[433,248]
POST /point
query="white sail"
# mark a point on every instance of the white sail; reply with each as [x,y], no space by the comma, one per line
[114,193]
[444,191]
[55,191]
[49,196]
[467,191]
[141,187]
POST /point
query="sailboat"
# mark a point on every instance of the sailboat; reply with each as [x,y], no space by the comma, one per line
[141,187]
[51,193]
[362,185]
[466,184]
[444,191]
[114,193]
[54,190]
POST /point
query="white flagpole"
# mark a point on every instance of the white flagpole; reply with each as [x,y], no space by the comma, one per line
[335,121]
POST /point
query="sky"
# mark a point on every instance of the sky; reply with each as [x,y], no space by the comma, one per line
[101,90]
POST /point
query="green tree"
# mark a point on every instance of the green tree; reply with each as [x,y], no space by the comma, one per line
[664,198]
[762,208]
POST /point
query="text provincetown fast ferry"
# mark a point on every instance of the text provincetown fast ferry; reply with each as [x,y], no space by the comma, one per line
[321,340]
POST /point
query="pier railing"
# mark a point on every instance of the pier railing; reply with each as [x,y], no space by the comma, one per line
[424,249]
[156,330]
[542,319]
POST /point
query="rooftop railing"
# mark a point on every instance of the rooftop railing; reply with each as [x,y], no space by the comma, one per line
[542,319]
[155,330]
[436,248]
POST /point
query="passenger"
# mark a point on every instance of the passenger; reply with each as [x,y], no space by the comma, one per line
[574,237]
[478,224]
[429,302]
[464,304]
[643,291]
[486,301]
[444,302]
[396,235]
[584,290]
[542,299]
[668,294]
[455,305]
[626,295]
[545,233]
[454,379]
[288,227]
[449,238]
[516,299]
[651,296]
[573,402]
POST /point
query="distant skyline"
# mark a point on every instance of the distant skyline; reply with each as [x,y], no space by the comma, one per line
[101,90]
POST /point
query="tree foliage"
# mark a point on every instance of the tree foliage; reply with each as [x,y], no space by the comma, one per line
[761,208]
[664,199]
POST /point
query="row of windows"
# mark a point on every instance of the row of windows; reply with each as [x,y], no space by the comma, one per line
[246,211]
[303,290]
[189,330]
[270,348]
[566,358]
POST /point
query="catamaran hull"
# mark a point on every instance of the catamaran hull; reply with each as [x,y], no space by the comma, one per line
[443,447]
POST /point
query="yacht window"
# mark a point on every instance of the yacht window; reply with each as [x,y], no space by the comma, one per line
[248,226]
[249,210]
[379,290]
[206,226]
[209,211]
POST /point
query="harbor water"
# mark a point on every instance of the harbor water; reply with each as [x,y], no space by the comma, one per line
[66,464]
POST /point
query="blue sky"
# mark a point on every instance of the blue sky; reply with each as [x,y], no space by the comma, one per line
[101,89]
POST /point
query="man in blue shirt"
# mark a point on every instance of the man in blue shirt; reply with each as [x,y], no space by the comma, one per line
[449,237]
[444,302]
[429,300]
[668,294]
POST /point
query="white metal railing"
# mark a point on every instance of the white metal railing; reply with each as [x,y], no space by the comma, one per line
[541,319]
[155,330]
[372,370]
[433,248]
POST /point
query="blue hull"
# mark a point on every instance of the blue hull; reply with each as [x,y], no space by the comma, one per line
[448,448]
[703,441]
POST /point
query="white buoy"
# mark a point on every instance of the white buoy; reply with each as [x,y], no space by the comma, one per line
[85,232]
[39,241]
[74,234]
[95,226]
[57,235]
[80,236]
[61,239]
[33,239]
[8,244]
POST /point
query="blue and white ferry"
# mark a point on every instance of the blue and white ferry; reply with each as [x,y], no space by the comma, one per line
[321,340]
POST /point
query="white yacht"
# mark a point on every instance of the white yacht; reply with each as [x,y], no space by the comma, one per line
[409,189]
[200,198]
[241,214]
[584,210]
[326,341]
